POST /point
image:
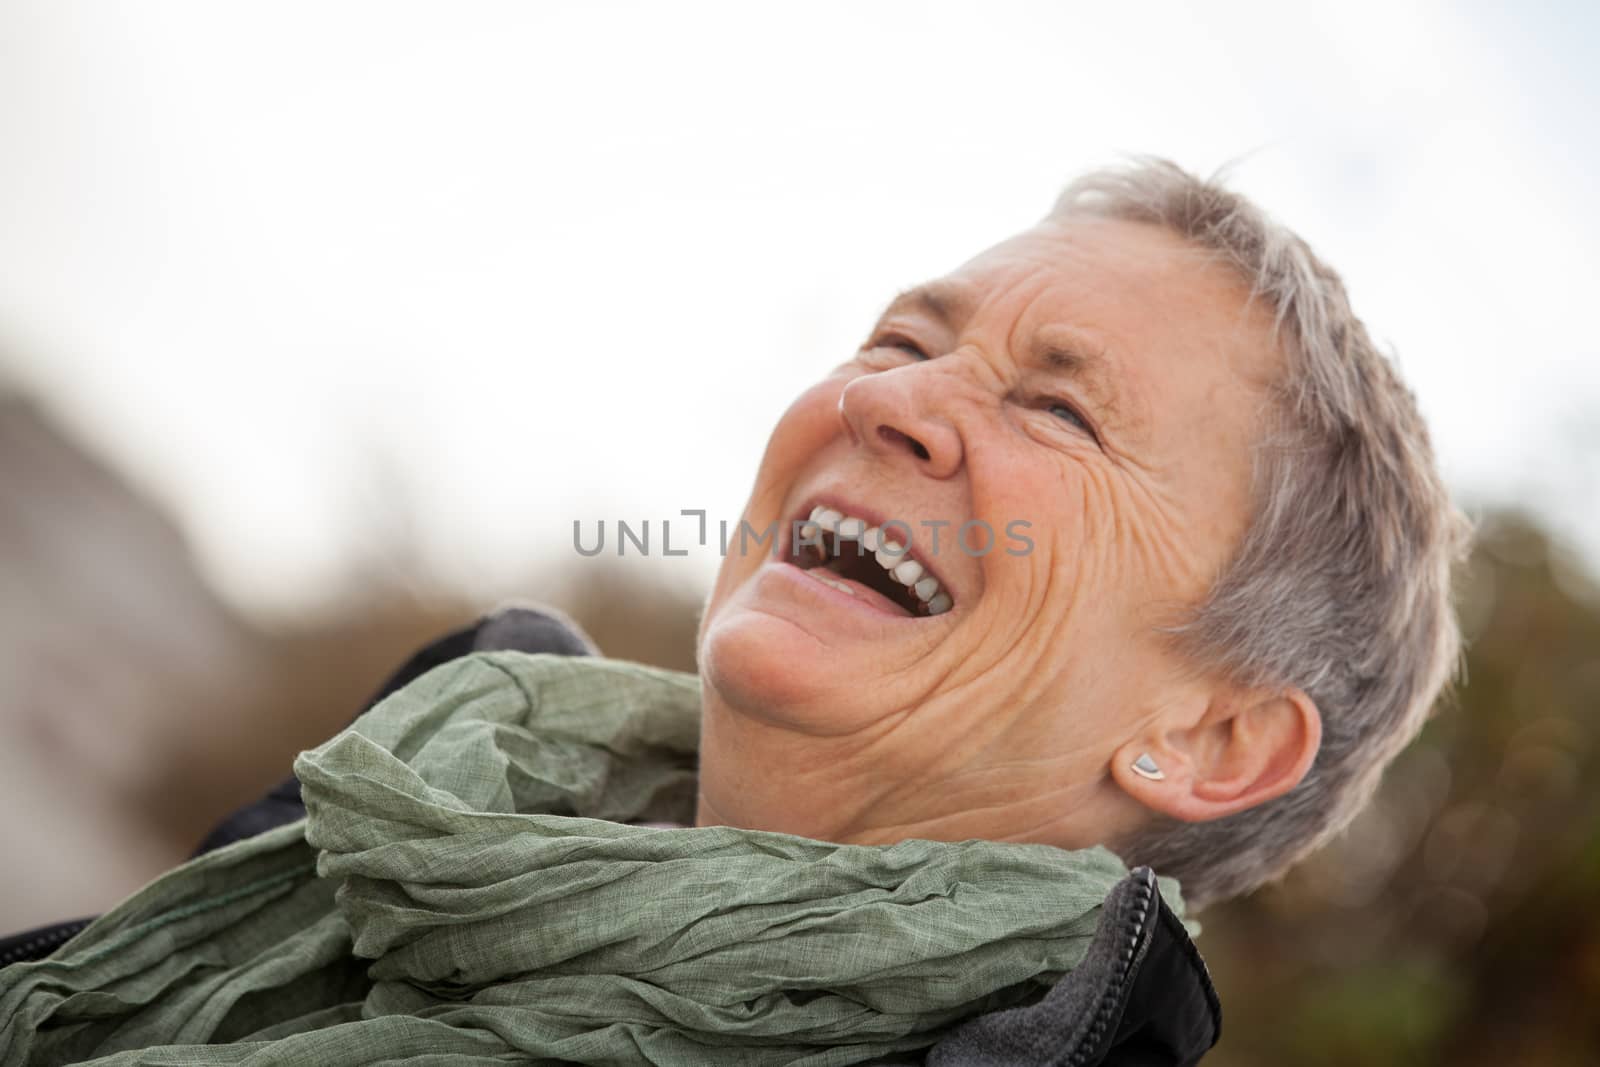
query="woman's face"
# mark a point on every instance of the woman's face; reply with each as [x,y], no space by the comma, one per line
[1081,401]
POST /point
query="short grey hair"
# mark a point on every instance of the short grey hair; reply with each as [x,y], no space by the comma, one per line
[1340,585]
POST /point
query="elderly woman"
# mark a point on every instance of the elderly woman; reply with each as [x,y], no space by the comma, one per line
[1119,546]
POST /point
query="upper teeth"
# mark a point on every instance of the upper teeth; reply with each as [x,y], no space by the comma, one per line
[891,556]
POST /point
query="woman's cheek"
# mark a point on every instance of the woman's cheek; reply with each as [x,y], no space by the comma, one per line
[808,424]
[806,427]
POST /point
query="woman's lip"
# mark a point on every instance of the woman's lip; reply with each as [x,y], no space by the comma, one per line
[871,597]
[874,603]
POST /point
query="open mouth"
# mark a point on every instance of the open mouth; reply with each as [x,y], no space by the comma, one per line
[850,554]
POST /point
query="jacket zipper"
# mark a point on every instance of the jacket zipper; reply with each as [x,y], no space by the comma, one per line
[43,944]
[1133,933]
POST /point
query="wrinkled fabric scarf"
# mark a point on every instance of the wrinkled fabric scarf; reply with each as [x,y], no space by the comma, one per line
[466,887]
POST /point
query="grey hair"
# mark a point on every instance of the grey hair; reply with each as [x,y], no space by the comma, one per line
[1340,586]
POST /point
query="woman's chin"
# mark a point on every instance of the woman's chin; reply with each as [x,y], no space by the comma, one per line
[768,669]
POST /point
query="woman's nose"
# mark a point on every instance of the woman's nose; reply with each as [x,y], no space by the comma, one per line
[885,412]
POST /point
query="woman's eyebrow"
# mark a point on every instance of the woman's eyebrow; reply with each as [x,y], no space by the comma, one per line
[1064,353]
[946,302]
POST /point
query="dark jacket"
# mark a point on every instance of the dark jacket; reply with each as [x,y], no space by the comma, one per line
[1140,998]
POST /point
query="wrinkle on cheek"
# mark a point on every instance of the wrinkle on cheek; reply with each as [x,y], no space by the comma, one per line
[955,724]
[1102,525]
[1054,662]
[1048,597]
[1163,551]
[1050,640]
[1012,624]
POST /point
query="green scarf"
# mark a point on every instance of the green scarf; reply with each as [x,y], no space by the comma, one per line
[465,888]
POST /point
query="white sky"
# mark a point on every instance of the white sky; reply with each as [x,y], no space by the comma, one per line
[304,269]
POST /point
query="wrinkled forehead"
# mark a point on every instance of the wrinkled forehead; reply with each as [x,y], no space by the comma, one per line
[1097,260]
[1141,295]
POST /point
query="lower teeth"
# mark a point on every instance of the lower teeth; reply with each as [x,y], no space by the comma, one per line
[837,585]
[818,559]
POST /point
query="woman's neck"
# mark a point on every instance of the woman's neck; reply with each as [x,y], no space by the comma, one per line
[898,778]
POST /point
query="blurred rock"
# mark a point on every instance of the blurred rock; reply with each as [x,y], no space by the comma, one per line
[119,669]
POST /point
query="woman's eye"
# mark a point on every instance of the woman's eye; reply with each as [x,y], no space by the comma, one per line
[1068,413]
[904,344]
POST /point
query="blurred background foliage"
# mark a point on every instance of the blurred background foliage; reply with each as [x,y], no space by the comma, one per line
[1455,923]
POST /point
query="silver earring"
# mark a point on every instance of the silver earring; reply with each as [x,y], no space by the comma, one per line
[1145,767]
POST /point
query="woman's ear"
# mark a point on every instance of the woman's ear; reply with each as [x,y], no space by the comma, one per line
[1247,748]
